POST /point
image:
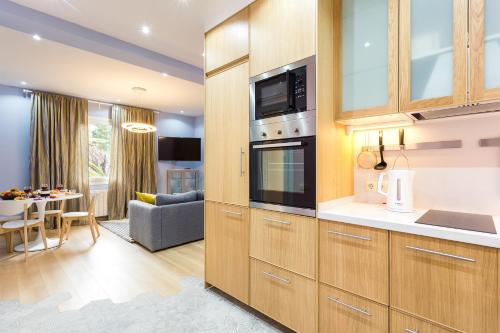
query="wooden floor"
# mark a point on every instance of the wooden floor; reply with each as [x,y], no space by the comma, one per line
[112,268]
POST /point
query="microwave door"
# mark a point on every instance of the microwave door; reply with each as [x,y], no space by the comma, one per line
[272,96]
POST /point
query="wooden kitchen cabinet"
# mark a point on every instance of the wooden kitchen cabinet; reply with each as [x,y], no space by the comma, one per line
[281,32]
[355,258]
[367,67]
[227,42]
[284,296]
[284,240]
[226,133]
[484,50]
[226,249]
[433,54]
[401,323]
[342,312]
[451,283]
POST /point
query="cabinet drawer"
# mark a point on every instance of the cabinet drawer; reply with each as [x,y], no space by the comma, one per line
[284,240]
[401,323]
[451,283]
[355,258]
[341,312]
[226,243]
[284,296]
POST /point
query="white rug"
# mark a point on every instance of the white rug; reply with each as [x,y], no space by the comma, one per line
[194,309]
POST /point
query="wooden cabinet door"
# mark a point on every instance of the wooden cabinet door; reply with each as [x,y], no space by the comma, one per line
[226,136]
[227,42]
[433,54]
[226,243]
[286,297]
[401,323]
[367,33]
[451,283]
[355,258]
[342,312]
[281,32]
[284,240]
[484,50]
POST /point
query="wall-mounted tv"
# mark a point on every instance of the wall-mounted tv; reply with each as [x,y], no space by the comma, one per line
[179,149]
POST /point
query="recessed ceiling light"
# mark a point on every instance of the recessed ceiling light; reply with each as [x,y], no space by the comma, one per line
[164,74]
[145,30]
[203,54]
[367,44]
[23,83]
[118,100]
[182,111]
[139,89]
[37,37]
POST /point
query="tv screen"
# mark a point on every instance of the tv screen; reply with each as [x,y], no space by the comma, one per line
[179,149]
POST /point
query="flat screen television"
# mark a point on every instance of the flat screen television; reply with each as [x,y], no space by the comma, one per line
[179,149]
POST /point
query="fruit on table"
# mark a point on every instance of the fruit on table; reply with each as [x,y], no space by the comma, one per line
[11,195]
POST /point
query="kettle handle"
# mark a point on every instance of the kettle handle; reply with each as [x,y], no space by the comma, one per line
[379,185]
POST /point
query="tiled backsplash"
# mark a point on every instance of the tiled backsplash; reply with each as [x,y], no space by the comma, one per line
[462,179]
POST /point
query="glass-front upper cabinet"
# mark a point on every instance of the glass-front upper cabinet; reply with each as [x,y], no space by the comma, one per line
[367,31]
[485,50]
[433,53]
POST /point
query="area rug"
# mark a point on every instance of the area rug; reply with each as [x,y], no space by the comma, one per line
[194,309]
[120,228]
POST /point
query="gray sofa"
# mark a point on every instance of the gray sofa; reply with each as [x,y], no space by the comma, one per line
[175,219]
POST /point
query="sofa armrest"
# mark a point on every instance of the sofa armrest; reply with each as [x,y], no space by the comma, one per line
[182,223]
[145,224]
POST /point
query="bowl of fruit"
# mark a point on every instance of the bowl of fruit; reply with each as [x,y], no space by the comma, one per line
[11,195]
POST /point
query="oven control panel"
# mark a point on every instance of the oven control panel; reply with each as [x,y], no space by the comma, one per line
[284,130]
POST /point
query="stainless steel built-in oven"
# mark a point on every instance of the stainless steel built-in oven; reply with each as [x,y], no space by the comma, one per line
[283,92]
[283,175]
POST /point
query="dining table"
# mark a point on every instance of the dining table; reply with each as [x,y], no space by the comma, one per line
[41,203]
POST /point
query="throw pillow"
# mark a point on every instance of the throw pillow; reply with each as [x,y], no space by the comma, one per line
[146,197]
[170,199]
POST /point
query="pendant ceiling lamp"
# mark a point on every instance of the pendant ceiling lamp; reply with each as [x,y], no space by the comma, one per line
[139,127]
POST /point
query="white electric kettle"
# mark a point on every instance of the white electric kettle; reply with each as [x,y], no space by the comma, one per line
[399,191]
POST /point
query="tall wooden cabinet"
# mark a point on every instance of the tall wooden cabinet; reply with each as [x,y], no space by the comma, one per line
[226,132]
[281,32]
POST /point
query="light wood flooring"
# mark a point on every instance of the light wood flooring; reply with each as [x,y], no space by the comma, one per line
[111,269]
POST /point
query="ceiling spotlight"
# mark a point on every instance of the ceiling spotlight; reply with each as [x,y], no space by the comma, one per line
[23,83]
[182,111]
[118,100]
[37,37]
[164,74]
[145,30]
[203,54]
[367,44]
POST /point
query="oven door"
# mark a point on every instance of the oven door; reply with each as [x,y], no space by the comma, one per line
[283,175]
[275,96]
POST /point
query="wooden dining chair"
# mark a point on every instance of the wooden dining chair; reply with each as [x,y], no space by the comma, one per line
[68,218]
[7,233]
[50,214]
[17,208]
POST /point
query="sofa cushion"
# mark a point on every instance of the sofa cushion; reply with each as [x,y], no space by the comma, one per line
[146,197]
[170,199]
[200,195]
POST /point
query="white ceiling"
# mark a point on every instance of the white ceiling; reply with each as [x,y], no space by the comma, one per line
[50,66]
[177,26]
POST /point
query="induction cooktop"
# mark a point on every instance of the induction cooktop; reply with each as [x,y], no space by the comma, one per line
[455,220]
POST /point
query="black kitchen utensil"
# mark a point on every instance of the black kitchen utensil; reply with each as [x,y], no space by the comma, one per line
[382,165]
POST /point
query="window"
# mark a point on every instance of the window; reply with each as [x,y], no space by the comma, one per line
[99,150]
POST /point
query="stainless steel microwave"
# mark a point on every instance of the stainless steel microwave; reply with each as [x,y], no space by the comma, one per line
[284,93]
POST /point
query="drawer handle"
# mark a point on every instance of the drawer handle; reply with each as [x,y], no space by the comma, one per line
[232,213]
[268,219]
[348,235]
[336,300]
[275,277]
[419,249]
[407,330]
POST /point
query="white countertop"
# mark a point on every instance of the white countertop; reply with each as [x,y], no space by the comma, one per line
[377,216]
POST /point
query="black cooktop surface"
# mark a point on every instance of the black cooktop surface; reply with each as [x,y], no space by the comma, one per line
[455,220]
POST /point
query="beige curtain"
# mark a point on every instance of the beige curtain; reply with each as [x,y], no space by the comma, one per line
[133,160]
[59,144]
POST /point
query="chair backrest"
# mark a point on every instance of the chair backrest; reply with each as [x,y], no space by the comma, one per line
[91,206]
[14,207]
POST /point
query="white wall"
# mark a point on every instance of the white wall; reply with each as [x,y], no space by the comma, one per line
[464,179]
